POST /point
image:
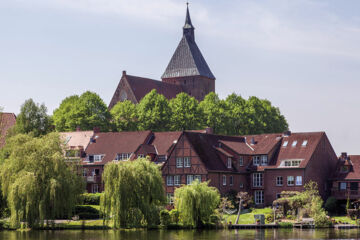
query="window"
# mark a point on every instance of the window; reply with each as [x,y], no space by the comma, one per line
[197,177]
[256,160]
[285,143]
[84,172]
[257,179]
[141,155]
[264,160]
[122,156]
[278,195]
[294,143]
[224,180]
[229,163]
[231,180]
[342,186]
[179,162]
[177,180]
[170,198]
[187,162]
[295,163]
[298,180]
[95,188]
[259,197]
[189,179]
[304,143]
[161,158]
[290,163]
[290,180]
[90,159]
[241,161]
[241,185]
[169,180]
[354,186]
[279,181]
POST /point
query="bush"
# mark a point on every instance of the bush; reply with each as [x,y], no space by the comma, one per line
[164,217]
[285,225]
[321,220]
[90,198]
[331,204]
[87,212]
[174,216]
[214,219]
[269,218]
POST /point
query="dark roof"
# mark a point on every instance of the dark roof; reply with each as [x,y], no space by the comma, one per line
[187,59]
[112,143]
[7,120]
[142,86]
[354,171]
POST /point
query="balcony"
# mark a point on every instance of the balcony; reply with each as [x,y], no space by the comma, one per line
[344,194]
[93,179]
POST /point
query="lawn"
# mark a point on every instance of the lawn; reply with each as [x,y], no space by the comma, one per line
[248,218]
[344,219]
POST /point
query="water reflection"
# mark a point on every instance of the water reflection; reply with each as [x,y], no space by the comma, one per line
[182,234]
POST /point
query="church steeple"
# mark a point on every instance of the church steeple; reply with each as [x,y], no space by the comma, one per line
[188,29]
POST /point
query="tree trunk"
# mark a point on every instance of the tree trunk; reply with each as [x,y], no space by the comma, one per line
[238,215]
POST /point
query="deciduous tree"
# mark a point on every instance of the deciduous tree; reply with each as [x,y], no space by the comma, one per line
[124,116]
[185,113]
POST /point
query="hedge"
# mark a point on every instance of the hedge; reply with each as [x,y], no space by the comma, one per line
[91,198]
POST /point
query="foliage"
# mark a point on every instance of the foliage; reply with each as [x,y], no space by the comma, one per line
[165,217]
[331,204]
[36,181]
[86,111]
[33,119]
[174,216]
[196,203]
[133,191]
[244,199]
[214,219]
[247,217]
[285,225]
[347,204]
[269,218]
[87,212]
[184,113]
[124,116]
[91,198]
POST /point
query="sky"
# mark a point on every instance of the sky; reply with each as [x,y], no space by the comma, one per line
[302,55]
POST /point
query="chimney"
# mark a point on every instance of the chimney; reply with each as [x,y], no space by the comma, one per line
[78,129]
[252,141]
[124,73]
[344,156]
[209,130]
[96,129]
[287,133]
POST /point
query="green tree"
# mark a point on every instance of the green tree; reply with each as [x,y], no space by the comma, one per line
[154,112]
[133,192]
[36,181]
[33,119]
[196,203]
[124,116]
[86,111]
[213,111]
[185,113]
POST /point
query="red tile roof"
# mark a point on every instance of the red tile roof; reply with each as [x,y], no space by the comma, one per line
[112,143]
[7,120]
[142,86]
[162,141]
[354,171]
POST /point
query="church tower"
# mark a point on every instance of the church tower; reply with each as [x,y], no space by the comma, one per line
[187,67]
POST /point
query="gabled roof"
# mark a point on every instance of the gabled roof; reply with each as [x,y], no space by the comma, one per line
[354,170]
[7,120]
[77,139]
[187,59]
[112,143]
[141,86]
[162,141]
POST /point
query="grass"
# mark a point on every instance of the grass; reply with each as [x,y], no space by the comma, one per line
[344,219]
[248,218]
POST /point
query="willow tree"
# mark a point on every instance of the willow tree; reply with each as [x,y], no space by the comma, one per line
[196,203]
[36,181]
[133,193]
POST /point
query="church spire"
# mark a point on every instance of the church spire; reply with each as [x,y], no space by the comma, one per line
[188,29]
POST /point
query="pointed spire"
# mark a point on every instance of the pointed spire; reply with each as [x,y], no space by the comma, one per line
[188,28]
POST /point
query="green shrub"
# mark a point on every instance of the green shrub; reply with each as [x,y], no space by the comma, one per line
[174,216]
[214,219]
[87,212]
[285,225]
[90,198]
[269,218]
[331,204]
[164,217]
[321,220]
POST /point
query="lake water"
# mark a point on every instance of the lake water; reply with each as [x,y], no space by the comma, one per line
[181,234]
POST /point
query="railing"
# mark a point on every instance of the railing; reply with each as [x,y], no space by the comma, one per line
[344,194]
[93,179]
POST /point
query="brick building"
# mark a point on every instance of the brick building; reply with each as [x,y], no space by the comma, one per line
[7,120]
[187,72]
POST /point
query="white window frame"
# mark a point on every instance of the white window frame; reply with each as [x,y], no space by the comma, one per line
[141,155]
[229,163]
[187,162]
[169,180]
[279,180]
[170,198]
[231,180]
[197,177]
[256,160]
[122,156]
[257,179]
[224,180]
[259,197]
[241,161]
[85,172]
[343,185]
[179,162]
[264,160]
[98,157]
[189,179]
[298,181]
[290,180]
[177,180]
[95,188]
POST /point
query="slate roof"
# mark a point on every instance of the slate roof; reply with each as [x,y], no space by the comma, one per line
[142,86]
[7,120]
[354,172]
[187,59]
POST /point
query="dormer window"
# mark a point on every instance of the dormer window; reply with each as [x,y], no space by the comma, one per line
[304,143]
[294,143]
[122,156]
[256,160]
[285,143]
[264,160]
[229,163]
